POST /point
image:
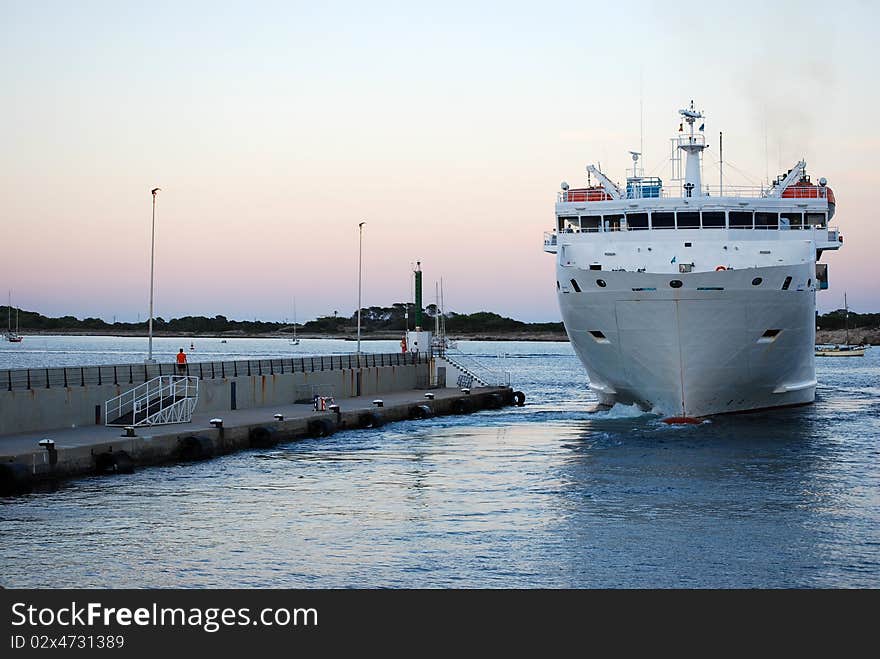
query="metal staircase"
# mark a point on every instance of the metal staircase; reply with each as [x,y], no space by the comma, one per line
[472,370]
[162,400]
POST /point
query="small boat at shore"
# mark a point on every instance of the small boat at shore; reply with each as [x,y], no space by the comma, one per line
[295,340]
[845,350]
[12,337]
[840,351]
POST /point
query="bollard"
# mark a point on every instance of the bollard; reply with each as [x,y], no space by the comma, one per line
[49,445]
[279,417]
[335,409]
[465,390]
[129,431]
[217,423]
[429,396]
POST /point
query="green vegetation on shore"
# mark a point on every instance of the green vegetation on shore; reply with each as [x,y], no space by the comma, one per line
[377,320]
[374,320]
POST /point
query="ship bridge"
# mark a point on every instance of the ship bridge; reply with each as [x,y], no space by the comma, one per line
[792,203]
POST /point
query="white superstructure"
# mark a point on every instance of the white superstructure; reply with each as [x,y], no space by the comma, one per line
[692,300]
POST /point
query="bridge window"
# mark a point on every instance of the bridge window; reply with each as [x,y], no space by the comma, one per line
[766,220]
[637,221]
[795,220]
[662,220]
[815,220]
[713,219]
[568,224]
[591,222]
[740,219]
[612,222]
[688,220]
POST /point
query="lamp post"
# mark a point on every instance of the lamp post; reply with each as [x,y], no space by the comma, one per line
[152,261]
[360,255]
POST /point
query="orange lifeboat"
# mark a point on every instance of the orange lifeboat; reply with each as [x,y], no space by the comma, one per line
[805,189]
[594,193]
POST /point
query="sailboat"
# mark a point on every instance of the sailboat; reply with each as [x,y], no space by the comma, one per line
[845,350]
[294,341]
[441,341]
[12,337]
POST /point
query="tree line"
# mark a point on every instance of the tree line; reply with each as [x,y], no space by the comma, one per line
[395,318]
[835,320]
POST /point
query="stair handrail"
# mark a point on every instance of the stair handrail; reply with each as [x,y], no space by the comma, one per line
[486,376]
[182,389]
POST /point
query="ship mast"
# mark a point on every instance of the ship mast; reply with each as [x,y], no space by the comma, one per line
[693,146]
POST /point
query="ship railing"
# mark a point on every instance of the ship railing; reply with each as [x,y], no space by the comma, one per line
[747,191]
[677,191]
[833,232]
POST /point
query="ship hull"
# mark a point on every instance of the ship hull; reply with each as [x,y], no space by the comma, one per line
[715,345]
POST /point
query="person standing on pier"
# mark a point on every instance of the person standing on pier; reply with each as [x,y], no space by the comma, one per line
[181,362]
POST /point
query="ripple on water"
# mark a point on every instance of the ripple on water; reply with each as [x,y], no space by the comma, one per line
[548,495]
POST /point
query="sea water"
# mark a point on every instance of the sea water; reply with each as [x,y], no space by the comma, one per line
[547,495]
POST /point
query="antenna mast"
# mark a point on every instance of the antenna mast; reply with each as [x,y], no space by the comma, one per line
[641,113]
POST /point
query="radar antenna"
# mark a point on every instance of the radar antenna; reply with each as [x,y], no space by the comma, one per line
[635,156]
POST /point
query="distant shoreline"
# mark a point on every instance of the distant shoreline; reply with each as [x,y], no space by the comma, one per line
[371,336]
[856,336]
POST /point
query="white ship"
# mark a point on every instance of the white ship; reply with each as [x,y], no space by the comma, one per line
[693,300]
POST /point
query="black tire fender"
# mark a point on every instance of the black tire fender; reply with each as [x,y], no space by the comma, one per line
[114,462]
[461,406]
[420,412]
[370,420]
[519,398]
[321,428]
[195,447]
[263,437]
[15,478]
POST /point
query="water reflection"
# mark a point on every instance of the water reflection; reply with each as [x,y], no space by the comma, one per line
[546,495]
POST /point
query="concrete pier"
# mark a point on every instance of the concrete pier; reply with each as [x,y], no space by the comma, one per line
[24,462]
[49,398]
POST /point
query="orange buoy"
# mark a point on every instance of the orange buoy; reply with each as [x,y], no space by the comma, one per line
[720,267]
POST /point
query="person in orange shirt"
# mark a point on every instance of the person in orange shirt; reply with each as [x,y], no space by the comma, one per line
[181,362]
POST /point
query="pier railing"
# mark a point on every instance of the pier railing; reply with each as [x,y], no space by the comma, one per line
[132,374]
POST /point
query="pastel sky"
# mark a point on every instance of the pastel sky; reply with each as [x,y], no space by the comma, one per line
[274,128]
